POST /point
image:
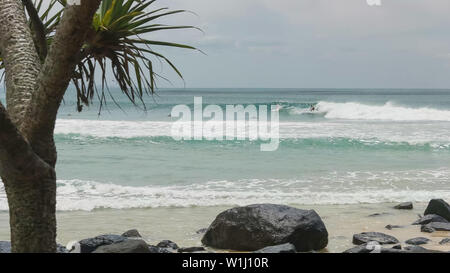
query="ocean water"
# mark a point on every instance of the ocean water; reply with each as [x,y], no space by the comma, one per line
[359,147]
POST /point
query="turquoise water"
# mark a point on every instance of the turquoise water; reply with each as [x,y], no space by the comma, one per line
[360,146]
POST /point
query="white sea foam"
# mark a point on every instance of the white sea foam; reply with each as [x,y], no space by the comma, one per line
[335,188]
[113,128]
[387,112]
[369,132]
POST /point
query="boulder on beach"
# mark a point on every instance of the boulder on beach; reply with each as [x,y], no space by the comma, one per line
[445,241]
[374,247]
[61,249]
[378,214]
[430,218]
[439,207]
[254,227]
[435,226]
[409,249]
[284,248]
[381,238]
[392,251]
[132,233]
[191,249]
[127,246]
[201,231]
[391,227]
[5,247]
[418,241]
[359,249]
[155,249]
[427,228]
[406,205]
[419,249]
[91,244]
[167,244]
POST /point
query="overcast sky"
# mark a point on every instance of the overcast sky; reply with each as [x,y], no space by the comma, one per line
[315,43]
[312,43]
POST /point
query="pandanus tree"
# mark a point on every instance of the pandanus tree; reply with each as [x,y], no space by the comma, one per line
[45,46]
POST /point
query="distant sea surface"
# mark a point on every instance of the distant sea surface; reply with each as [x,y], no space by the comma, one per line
[360,146]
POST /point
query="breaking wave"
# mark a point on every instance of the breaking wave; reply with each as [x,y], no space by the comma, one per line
[386,112]
[349,188]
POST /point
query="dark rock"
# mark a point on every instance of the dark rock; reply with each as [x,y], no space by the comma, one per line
[5,247]
[284,248]
[396,250]
[419,249]
[359,249]
[435,226]
[167,244]
[379,214]
[406,205]
[381,238]
[155,249]
[127,246]
[392,250]
[427,229]
[373,249]
[257,226]
[61,249]
[89,245]
[370,247]
[440,226]
[430,218]
[418,241]
[439,207]
[132,233]
[409,249]
[201,231]
[390,227]
[445,241]
[191,249]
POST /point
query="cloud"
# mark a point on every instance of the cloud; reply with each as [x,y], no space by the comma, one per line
[312,43]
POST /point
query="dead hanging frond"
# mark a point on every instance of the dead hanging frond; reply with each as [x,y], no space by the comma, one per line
[116,44]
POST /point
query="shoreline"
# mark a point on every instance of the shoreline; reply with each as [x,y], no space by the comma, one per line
[181,224]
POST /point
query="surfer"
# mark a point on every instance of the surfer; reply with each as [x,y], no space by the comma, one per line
[312,108]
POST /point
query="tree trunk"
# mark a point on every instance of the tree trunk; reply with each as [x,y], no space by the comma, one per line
[32,205]
[30,185]
[33,94]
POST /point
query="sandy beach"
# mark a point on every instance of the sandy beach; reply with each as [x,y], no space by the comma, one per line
[180,224]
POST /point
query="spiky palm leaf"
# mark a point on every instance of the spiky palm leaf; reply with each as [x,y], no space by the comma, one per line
[45,13]
[117,42]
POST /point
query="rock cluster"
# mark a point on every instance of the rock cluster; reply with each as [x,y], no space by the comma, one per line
[436,218]
[270,228]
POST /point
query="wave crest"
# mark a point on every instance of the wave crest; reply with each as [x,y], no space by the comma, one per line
[388,112]
[347,188]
